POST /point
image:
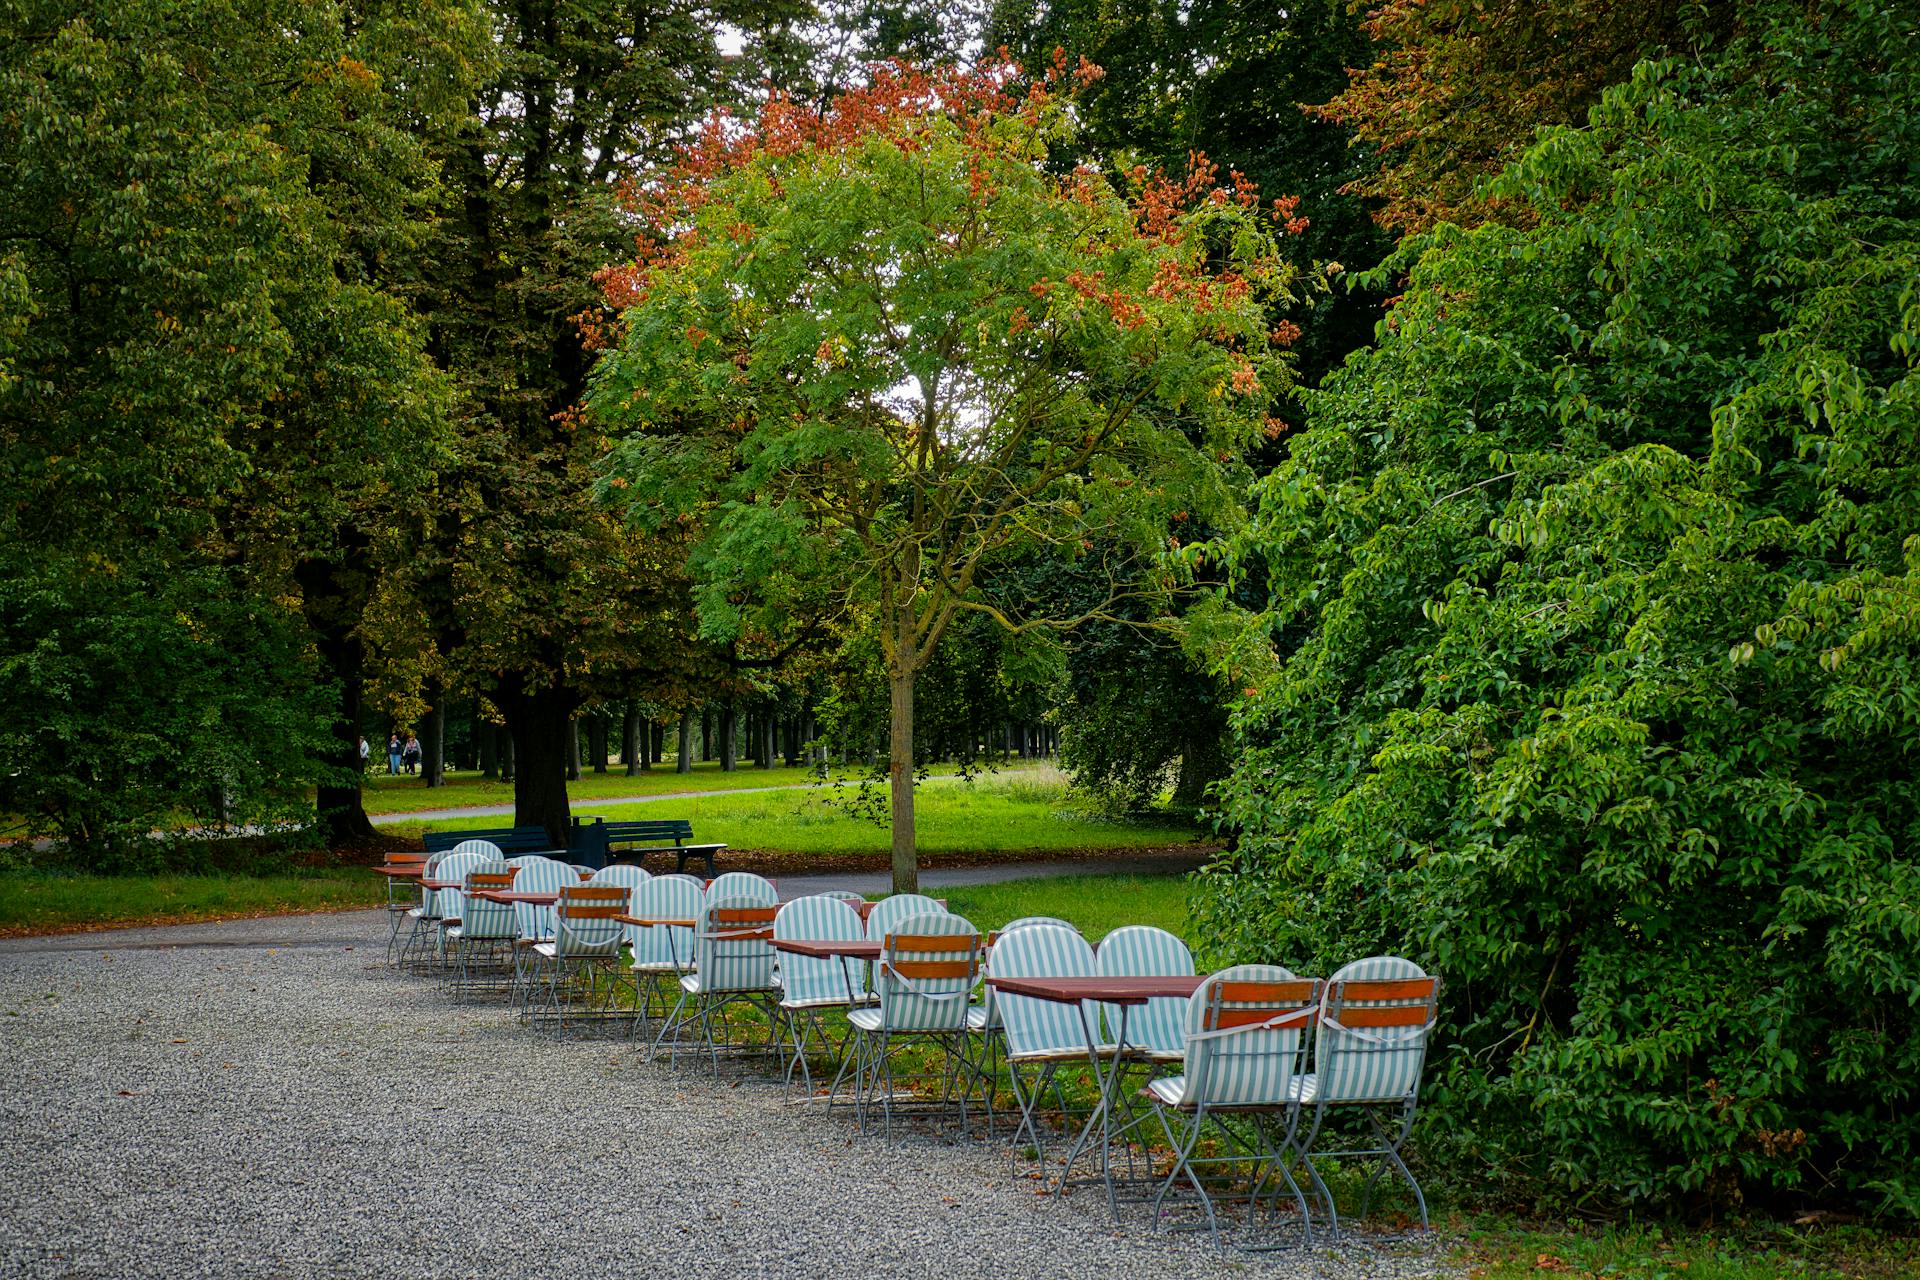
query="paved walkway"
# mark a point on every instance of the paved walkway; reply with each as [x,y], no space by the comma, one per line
[266,1098]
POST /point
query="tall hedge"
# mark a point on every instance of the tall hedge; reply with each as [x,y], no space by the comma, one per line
[1591,672]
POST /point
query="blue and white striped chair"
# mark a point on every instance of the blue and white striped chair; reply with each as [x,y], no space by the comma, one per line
[447,904]
[810,984]
[629,874]
[586,935]
[662,952]
[924,979]
[533,922]
[1375,1022]
[1247,1030]
[890,911]
[744,884]
[1027,922]
[733,964]
[485,927]
[1155,1031]
[1042,1035]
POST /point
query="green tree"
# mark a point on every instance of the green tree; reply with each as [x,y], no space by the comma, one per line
[532,597]
[1587,677]
[885,349]
[202,393]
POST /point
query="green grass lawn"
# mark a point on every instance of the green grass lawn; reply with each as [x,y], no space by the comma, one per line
[33,902]
[993,815]
[386,794]
[1509,1251]
[1096,905]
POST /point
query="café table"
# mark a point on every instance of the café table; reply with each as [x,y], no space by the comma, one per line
[1126,991]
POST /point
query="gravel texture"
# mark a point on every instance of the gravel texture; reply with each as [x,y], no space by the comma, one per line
[267,1098]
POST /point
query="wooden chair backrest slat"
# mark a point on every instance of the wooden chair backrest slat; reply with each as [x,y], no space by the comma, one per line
[912,969]
[1359,991]
[1280,995]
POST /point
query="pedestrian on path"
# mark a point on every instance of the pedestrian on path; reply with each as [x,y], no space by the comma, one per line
[393,754]
[411,754]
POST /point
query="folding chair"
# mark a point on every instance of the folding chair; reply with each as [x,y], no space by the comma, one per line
[733,965]
[1375,1022]
[661,951]
[1041,1035]
[928,966]
[400,903]
[810,985]
[585,934]
[1247,1030]
[532,921]
[420,919]
[744,884]
[447,904]
[484,927]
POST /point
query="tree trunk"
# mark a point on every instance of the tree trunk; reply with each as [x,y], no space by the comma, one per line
[508,772]
[728,716]
[706,733]
[685,763]
[487,737]
[542,725]
[572,751]
[906,857]
[597,742]
[656,743]
[433,742]
[629,738]
[333,599]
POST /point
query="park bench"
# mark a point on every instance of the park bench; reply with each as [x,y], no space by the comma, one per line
[512,841]
[594,843]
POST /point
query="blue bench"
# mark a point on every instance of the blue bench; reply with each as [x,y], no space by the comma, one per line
[595,843]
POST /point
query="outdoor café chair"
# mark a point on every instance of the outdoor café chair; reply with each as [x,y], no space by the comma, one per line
[400,902]
[1027,922]
[985,1015]
[811,984]
[484,927]
[890,911]
[1155,1030]
[744,884]
[1042,1035]
[1370,1051]
[662,951]
[733,965]
[585,934]
[444,911]
[1247,1030]
[842,895]
[532,921]
[420,916]
[924,978]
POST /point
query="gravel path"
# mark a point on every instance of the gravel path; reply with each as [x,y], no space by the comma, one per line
[265,1098]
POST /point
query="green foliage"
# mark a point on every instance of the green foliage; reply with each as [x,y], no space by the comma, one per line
[199,392]
[1588,676]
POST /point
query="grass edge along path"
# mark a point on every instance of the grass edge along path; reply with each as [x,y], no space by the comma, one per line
[1507,1249]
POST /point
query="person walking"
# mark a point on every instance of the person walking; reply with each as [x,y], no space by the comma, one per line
[393,753]
[412,753]
[365,751]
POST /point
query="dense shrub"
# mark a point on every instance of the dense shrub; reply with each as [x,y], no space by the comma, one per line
[1591,672]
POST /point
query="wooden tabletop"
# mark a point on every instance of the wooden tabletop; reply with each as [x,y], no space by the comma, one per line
[830,948]
[1120,989]
[648,922]
[404,870]
[509,897]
